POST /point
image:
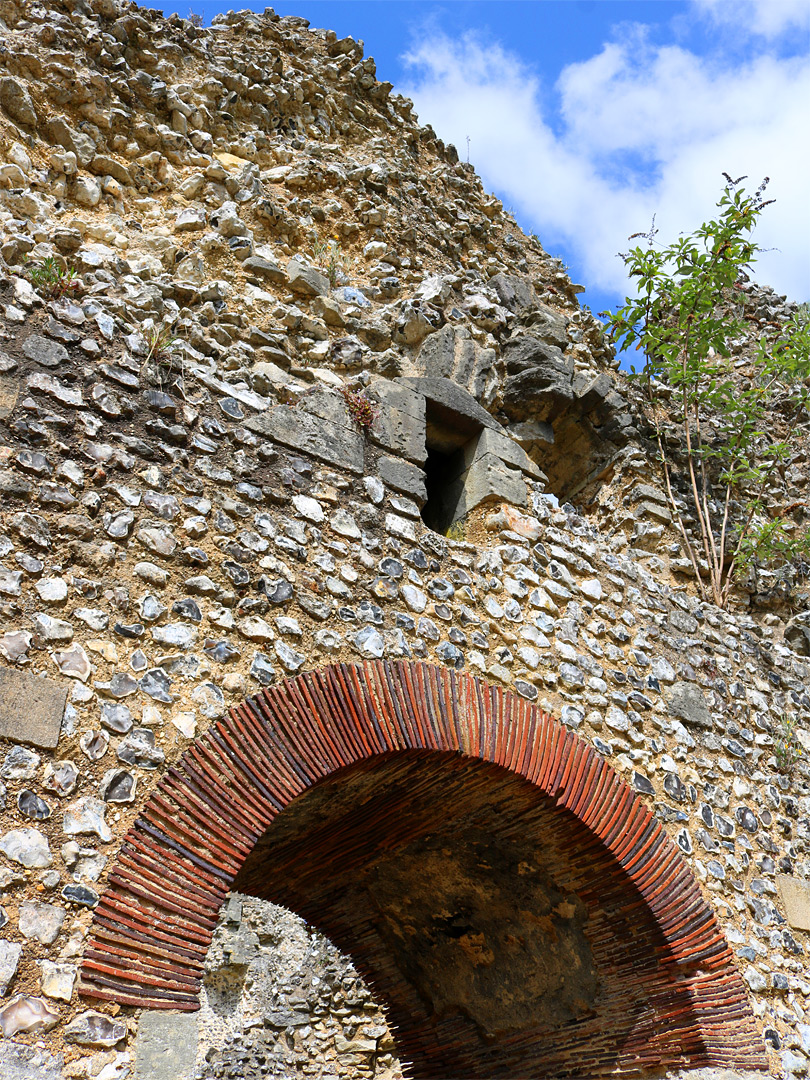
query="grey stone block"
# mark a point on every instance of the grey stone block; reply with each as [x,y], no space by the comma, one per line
[329,406]
[515,293]
[530,432]
[402,476]
[16,101]
[102,165]
[31,707]
[687,703]
[649,493]
[493,442]
[306,280]
[400,434]
[396,395]
[437,357]
[45,352]
[400,424]
[264,268]
[797,633]
[539,379]
[654,509]
[487,480]
[165,1046]
[592,393]
[313,435]
[452,354]
[548,326]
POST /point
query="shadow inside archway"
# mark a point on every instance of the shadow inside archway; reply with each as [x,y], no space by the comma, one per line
[504,939]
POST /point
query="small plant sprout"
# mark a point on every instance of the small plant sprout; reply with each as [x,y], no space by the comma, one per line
[363,410]
[786,747]
[52,278]
[457,531]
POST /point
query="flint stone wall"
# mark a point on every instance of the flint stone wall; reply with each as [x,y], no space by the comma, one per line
[177,532]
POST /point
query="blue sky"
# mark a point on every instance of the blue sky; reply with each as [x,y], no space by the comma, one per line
[589,116]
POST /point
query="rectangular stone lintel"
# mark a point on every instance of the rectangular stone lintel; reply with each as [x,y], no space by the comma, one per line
[403,476]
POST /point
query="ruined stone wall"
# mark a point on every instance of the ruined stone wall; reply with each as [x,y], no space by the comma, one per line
[186,521]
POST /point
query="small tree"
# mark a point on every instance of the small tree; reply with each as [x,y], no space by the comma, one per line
[736,428]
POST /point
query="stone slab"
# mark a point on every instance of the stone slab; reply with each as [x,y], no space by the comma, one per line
[403,476]
[19,1062]
[437,357]
[530,432]
[165,1046]
[487,480]
[393,395]
[306,280]
[515,293]
[31,707]
[795,896]
[401,434]
[493,442]
[687,703]
[311,435]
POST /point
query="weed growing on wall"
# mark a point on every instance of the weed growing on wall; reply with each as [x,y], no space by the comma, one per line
[332,260]
[730,448]
[52,279]
[362,409]
[786,747]
[161,346]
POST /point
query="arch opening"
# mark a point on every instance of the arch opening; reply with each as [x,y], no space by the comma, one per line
[563,934]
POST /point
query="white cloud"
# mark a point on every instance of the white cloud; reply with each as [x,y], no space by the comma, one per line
[636,130]
[768,18]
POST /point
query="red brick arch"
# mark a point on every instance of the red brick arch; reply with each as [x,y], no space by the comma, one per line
[669,966]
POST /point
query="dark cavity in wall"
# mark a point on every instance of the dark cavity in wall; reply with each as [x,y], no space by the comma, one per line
[449,439]
[435,513]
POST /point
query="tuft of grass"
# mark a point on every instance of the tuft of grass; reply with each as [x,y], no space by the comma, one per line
[160,344]
[51,278]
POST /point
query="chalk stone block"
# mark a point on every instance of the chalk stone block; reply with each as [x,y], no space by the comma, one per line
[165,1046]
[795,896]
[31,707]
